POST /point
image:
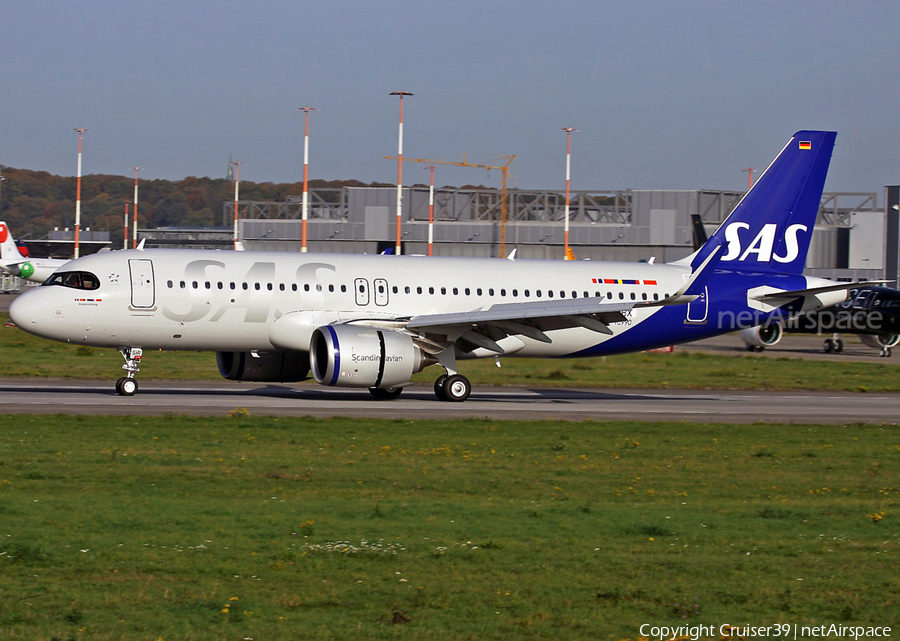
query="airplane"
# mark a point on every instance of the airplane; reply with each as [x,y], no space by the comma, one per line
[872,312]
[372,321]
[13,262]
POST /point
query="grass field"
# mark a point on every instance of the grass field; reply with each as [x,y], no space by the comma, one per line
[24,355]
[267,528]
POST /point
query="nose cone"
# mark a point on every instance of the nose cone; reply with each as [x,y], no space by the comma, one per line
[27,311]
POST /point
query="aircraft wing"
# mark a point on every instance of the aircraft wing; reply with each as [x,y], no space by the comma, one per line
[484,327]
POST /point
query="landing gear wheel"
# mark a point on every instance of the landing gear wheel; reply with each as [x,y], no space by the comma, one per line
[838,346]
[439,387]
[829,346]
[126,386]
[886,352]
[457,388]
[385,393]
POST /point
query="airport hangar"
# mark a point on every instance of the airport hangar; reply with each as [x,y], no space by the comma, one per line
[854,239]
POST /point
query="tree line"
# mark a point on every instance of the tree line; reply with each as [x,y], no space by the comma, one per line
[35,202]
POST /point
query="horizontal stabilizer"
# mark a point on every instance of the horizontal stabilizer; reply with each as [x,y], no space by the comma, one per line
[812,291]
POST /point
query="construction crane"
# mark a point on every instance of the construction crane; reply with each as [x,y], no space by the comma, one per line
[504,169]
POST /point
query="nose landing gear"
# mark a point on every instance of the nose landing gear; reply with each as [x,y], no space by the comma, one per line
[128,385]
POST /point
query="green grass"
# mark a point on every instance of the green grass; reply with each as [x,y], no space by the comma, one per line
[273,528]
[24,355]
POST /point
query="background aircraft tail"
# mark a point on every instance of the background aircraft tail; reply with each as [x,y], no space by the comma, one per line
[9,251]
[771,227]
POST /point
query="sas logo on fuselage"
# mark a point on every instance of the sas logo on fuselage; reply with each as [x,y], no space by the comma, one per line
[761,249]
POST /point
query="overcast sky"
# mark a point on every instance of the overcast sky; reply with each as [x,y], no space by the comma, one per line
[665,94]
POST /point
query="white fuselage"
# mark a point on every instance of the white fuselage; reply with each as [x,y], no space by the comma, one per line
[202,300]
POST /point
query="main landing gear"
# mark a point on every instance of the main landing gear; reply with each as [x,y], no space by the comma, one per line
[833,346]
[128,385]
[452,387]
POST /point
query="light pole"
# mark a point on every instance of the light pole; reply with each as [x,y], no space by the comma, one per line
[80,131]
[135,211]
[430,209]
[400,171]
[749,170]
[305,214]
[568,130]
[125,226]
[237,182]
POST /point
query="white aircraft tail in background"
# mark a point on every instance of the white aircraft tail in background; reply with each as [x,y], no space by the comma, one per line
[13,262]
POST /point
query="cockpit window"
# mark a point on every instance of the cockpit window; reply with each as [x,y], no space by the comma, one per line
[75,280]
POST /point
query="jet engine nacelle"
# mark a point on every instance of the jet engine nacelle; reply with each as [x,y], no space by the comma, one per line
[879,341]
[354,356]
[269,367]
[762,336]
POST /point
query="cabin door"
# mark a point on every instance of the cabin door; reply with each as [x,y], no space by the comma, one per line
[698,310]
[143,289]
